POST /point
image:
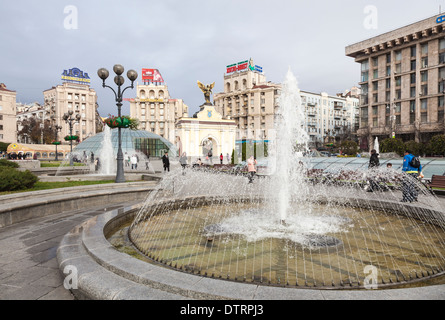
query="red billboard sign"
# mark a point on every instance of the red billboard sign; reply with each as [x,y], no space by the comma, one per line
[151,75]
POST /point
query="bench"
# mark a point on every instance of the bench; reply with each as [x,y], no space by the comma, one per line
[437,181]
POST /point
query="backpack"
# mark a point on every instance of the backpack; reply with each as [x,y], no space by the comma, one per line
[415,162]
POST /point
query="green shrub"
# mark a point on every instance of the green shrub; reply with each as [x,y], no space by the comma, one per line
[415,147]
[349,147]
[437,145]
[7,163]
[4,146]
[12,179]
[392,145]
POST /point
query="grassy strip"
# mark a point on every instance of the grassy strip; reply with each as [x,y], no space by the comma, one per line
[40,185]
[53,164]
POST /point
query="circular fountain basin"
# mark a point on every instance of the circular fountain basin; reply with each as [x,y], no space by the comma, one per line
[321,244]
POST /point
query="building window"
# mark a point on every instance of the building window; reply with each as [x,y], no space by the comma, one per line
[442,86]
[365,70]
[423,104]
[413,65]
[424,62]
[398,81]
[424,117]
[440,101]
[375,110]
[442,58]
[398,68]
[440,116]
[442,73]
[424,90]
[424,49]
[412,92]
[412,111]
[413,51]
[398,55]
[442,44]
[413,78]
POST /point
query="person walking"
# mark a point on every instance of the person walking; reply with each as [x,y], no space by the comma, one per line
[251,168]
[134,162]
[221,158]
[374,163]
[166,162]
[127,159]
[412,169]
[183,162]
[228,158]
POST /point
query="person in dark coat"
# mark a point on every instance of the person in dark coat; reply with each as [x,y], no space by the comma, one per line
[166,162]
[374,163]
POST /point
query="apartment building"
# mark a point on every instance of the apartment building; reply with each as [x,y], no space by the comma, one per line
[8,130]
[30,111]
[328,117]
[402,82]
[250,100]
[156,110]
[74,94]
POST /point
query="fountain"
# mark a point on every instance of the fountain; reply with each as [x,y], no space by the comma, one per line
[295,227]
[106,155]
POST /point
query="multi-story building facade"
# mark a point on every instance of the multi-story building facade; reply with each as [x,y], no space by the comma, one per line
[249,100]
[73,95]
[402,82]
[8,130]
[156,111]
[27,112]
[328,117]
[252,102]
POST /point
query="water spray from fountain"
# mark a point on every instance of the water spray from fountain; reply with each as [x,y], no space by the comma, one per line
[288,147]
[296,226]
[106,156]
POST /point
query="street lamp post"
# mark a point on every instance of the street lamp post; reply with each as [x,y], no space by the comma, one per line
[68,117]
[56,130]
[119,80]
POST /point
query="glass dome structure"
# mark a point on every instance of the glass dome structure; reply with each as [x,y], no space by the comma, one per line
[139,141]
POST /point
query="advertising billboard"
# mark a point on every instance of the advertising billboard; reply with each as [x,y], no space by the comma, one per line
[243,65]
[151,76]
[76,75]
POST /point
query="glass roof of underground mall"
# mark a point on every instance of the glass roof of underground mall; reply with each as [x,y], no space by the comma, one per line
[132,140]
[430,166]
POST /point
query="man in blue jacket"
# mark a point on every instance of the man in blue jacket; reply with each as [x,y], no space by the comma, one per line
[409,189]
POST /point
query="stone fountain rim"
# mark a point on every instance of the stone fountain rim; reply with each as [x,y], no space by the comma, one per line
[125,277]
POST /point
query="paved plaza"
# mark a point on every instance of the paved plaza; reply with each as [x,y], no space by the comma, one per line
[28,263]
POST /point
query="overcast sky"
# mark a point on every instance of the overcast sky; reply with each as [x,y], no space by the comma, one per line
[190,40]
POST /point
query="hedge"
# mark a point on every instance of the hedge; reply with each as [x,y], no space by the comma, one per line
[12,179]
